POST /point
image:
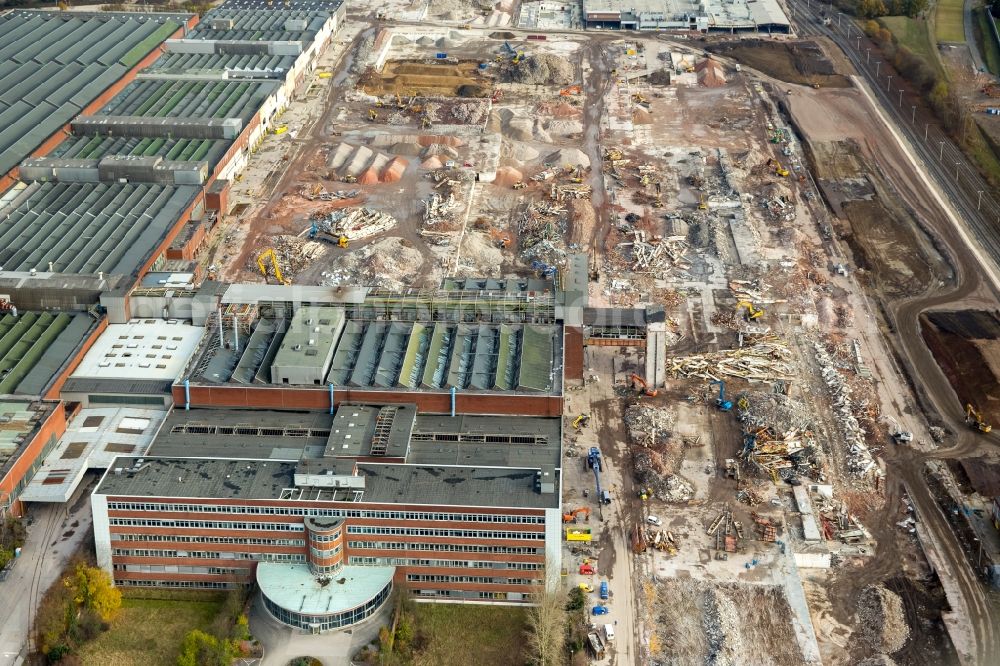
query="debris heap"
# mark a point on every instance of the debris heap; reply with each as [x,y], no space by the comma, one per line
[762,361]
[648,426]
[882,619]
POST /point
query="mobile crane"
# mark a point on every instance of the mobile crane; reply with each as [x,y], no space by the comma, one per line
[975,419]
[594,463]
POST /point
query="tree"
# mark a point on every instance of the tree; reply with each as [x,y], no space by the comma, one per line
[995,8]
[201,649]
[872,8]
[96,591]
[547,623]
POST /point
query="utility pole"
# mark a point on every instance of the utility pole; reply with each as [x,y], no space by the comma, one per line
[877,64]
[888,88]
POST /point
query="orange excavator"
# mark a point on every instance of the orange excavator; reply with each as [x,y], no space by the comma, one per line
[572,90]
[644,390]
[571,516]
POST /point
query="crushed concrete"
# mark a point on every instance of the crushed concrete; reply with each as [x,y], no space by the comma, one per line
[882,619]
[542,69]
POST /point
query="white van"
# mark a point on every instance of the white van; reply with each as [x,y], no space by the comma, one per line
[609,632]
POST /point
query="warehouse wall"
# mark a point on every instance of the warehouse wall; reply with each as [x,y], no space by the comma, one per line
[52,428]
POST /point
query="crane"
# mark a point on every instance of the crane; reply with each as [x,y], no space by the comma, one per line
[975,419]
[752,312]
[268,255]
[721,402]
[594,463]
[645,390]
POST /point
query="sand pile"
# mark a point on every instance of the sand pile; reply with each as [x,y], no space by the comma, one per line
[542,69]
[517,152]
[568,156]
[428,139]
[507,176]
[393,171]
[642,117]
[520,129]
[425,41]
[400,40]
[565,110]
[365,164]
[432,162]
[882,619]
[445,43]
[494,124]
[444,151]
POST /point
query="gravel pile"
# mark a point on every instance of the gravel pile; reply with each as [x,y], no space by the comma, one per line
[542,69]
[882,619]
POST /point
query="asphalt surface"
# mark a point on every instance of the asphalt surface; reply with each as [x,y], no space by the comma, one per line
[934,391]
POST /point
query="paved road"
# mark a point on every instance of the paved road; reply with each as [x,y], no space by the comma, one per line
[934,390]
[46,551]
[970,37]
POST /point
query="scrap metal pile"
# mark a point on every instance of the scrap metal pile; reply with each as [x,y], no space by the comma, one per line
[653,255]
[766,360]
[778,437]
[541,228]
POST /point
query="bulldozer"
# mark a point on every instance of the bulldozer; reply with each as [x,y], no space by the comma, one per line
[975,418]
[343,242]
[266,256]
[349,178]
[372,115]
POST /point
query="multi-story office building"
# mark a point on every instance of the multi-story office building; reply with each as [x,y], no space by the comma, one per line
[327,513]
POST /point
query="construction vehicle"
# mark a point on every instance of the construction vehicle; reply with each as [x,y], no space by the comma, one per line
[581,421]
[586,588]
[342,241]
[372,115]
[721,402]
[280,129]
[898,434]
[520,185]
[266,256]
[399,101]
[702,204]
[975,419]
[639,99]
[645,390]
[572,515]
[509,50]
[752,312]
[349,178]
[586,569]
[778,169]
[594,463]
[572,90]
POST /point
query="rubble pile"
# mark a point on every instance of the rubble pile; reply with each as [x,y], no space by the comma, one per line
[655,256]
[541,69]
[648,426]
[389,263]
[721,622]
[353,223]
[651,473]
[541,228]
[294,254]
[859,459]
[761,361]
[777,436]
[882,619]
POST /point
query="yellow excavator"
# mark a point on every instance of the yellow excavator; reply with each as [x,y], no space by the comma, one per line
[975,419]
[752,312]
[269,256]
[580,421]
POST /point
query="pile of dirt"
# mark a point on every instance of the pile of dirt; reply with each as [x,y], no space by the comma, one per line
[566,156]
[473,90]
[365,164]
[481,255]
[642,117]
[660,77]
[653,472]
[882,619]
[389,263]
[564,128]
[542,69]
[442,150]
[507,176]
[517,152]
[393,171]
[432,162]
[425,41]
[801,62]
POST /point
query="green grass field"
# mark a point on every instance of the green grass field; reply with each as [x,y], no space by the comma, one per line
[914,34]
[148,632]
[950,27]
[459,635]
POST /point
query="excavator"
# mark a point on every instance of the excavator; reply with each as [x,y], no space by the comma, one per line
[645,390]
[778,169]
[570,517]
[372,115]
[975,419]
[752,312]
[572,90]
[721,402]
[268,255]
[581,421]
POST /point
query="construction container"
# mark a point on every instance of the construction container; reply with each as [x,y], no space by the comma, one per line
[578,533]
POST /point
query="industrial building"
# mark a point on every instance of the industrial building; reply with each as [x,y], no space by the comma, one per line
[378,496]
[57,65]
[707,16]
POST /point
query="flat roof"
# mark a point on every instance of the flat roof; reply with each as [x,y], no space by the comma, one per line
[295,588]
[35,345]
[454,486]
[89,227]
[93,439]
[53,64]
[196,478]
[721,15]
[485,440]
[145,349]
[251,434]
[310,335]
[261,24]
[184,98]
[364,430]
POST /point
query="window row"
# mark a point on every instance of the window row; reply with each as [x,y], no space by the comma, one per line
[489,580]
[167,568]
[426,531]
[455,564]
[210,555]
[204,524]
[338,513]
[198,584]
[449,547]
[246,541]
